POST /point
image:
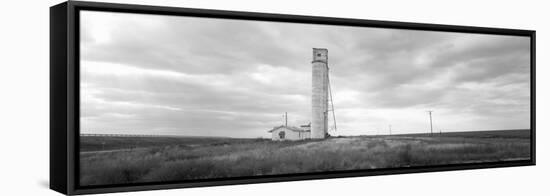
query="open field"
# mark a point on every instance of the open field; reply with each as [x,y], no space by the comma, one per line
[102,143]
[114,160]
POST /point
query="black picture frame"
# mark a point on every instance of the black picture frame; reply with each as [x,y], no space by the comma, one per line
[64,94]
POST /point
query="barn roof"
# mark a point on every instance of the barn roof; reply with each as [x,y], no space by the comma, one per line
[296,129]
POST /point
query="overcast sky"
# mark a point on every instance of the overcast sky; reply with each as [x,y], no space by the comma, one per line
[151,74]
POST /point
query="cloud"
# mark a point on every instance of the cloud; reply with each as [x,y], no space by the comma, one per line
[152,74]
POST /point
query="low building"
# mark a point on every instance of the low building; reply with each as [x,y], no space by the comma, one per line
[290,133]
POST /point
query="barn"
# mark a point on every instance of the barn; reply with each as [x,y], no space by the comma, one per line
[283,132]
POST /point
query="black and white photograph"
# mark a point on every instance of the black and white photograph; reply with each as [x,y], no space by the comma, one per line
[180,98]
[274,98]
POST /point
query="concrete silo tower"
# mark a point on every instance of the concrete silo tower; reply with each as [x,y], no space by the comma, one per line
[319,95]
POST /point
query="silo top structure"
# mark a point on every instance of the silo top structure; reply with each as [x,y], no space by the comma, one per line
[319,95]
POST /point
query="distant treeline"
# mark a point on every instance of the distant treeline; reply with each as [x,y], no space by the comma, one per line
[130,135]
[118,142]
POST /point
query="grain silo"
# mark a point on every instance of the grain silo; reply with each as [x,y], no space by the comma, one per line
[319,95]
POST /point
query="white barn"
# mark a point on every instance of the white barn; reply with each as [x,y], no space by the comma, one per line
[282,132]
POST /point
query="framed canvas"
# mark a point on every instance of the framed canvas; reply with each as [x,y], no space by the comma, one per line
[148,97]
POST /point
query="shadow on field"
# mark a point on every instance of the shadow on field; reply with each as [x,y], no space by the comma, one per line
[44,183]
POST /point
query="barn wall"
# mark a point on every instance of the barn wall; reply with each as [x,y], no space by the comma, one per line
[304,135]
[289,135]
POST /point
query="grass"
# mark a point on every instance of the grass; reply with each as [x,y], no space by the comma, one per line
[103,143]
[219,158]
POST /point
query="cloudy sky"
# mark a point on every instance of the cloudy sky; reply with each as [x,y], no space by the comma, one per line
[151,74]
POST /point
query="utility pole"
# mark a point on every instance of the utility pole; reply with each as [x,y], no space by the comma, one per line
[286,119]
[390,129]
[431,126]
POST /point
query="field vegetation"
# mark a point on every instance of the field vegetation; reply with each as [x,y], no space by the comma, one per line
[104,161]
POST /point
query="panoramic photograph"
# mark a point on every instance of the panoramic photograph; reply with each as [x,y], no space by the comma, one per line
[180,98]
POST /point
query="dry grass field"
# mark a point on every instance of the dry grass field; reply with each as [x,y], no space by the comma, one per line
[121,160]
